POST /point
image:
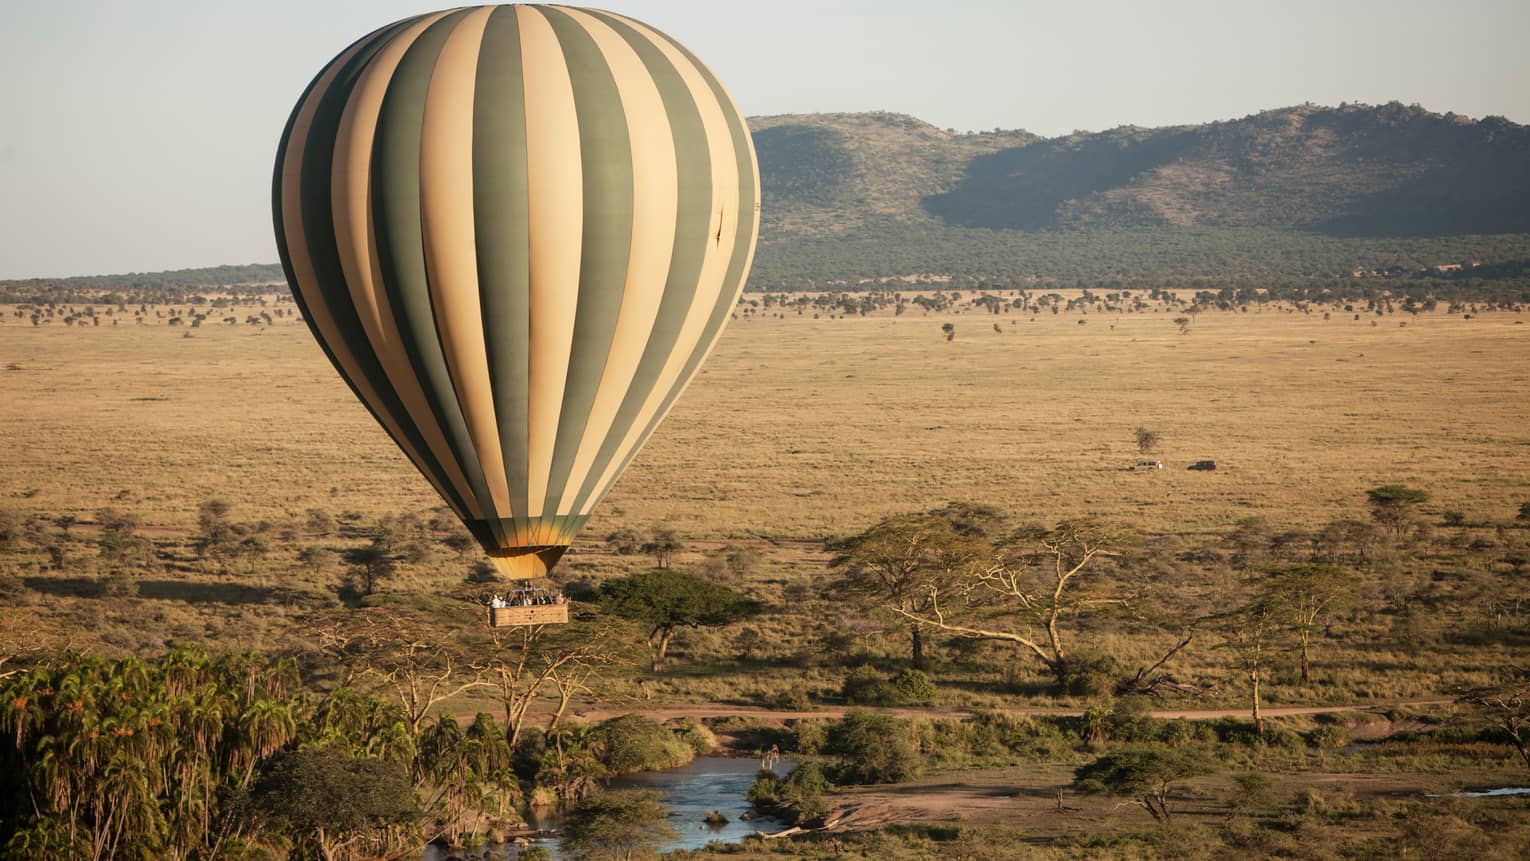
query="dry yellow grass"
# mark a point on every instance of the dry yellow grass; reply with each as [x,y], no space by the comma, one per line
[803,428]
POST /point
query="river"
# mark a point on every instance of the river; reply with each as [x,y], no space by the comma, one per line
[709,783]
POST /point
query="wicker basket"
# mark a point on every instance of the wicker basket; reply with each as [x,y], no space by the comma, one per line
[536,614]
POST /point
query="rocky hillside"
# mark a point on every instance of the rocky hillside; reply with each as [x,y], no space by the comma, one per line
[1354,170]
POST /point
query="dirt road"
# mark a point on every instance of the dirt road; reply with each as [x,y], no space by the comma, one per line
[715,710]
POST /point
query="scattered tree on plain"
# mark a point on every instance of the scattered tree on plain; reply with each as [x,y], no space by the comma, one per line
[663,545]
[1250,633]
[904,562]
[1507,707]
[1025,595]
[665,600]
[1394,507]
[1303,594]
[1147,777]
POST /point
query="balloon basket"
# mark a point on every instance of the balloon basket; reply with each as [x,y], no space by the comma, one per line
[538,614]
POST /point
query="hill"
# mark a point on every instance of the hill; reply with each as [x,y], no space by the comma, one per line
[1306,190]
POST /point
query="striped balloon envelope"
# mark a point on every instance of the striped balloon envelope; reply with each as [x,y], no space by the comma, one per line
[517,231]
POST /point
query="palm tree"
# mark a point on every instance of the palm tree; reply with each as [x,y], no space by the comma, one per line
[265,728]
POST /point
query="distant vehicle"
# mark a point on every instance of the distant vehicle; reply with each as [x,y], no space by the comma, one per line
[1203,465]
[1146,464]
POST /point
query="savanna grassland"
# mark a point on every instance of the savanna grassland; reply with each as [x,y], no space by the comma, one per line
[804,429]
[799,429]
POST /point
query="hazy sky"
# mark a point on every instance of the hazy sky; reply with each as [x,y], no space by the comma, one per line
[139,136]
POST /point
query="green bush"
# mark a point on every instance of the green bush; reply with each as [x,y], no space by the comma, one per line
[873,748]
[1254,791]
[796,797]
[810,736]
[613,825]
[795,698]
[635,743]
[1328,737]
[1088,675]
[913,687]
[696,736]
[865,686]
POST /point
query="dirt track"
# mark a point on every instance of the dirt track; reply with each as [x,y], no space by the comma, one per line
[714,710]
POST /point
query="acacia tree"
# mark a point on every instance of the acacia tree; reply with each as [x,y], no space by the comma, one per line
[1250,633]
[373,563]
[1147,440]
[527,657]
[418,672]
[1147,777]
[1506,706]
[904,562]
[1393,506]
[666,600]
[663,544]
[1304,593]
[1025,595]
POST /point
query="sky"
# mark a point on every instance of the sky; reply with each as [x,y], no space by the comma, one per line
[140,136]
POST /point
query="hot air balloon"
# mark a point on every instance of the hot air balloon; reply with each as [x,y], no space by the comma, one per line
[517,231]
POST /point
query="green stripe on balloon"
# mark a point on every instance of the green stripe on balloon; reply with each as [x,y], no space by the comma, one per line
[501,211]
[605,148]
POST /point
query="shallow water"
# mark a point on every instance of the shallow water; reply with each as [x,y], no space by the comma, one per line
[709,783]
[1486,793]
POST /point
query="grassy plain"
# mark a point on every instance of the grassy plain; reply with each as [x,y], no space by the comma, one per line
[804,428]
[799,428]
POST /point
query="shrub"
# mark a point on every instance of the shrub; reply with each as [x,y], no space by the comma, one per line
[1254,790]
[626,542]
[626,824]
[1328,737]
[482,572]
[695,735]
[865,686]
[796,798]
[1088,675]
[11,529]
[913,687]
[635,743]
[810,736]
[873,748]
[320,797]
[795,698]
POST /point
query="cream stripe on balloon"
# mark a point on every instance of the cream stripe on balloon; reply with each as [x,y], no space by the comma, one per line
[555,183]
[743,278]
[655,200]
[356,244]
[451,255]
[302,266]
[720,239]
